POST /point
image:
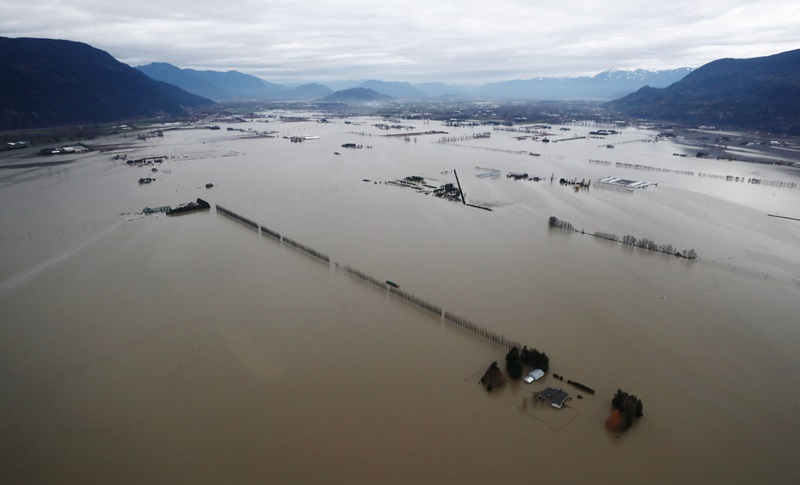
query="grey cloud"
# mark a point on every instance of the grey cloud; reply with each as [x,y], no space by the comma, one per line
[458,42]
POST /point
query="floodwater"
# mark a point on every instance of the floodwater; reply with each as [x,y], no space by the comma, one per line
[193,349]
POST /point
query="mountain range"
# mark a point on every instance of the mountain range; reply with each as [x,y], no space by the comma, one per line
[606,85]
[46,83]
[230,85]
[236,86]
[758,93]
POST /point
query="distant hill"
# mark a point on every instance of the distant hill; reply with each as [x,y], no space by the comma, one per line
[341,85]
[216,85]
[606,85]
[46,82]
[761,93]
[402,90]
[355,95]
[306,92]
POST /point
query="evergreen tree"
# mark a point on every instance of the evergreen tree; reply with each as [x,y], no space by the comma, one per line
[514,363]
[616,403]
[535,359]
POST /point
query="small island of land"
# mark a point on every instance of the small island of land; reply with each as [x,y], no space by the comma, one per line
[626,407]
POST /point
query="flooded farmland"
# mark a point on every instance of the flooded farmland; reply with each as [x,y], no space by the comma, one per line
[194,348]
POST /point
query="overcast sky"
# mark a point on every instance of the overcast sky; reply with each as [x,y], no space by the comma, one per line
[465,41]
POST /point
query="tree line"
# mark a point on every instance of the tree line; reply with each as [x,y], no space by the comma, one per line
[559,224]
[516,360]
[643,243]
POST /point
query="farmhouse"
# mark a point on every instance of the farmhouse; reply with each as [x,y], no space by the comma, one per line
[556,397]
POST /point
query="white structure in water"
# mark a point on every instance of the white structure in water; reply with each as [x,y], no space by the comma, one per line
[535,375]
[631,184]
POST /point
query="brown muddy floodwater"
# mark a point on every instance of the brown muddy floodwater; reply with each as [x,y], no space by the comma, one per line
[193,349]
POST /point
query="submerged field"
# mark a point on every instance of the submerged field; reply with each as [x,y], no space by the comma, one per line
[195,349]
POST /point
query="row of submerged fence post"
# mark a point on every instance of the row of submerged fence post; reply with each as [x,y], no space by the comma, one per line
[276,235]
[455,320]
[364,277]
[306,249]
[270,232]
[450,318]
[479,331]
[425,305]
[236,216]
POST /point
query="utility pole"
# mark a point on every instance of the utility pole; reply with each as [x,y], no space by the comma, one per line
[463,200]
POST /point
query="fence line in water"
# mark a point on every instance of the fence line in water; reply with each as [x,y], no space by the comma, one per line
[482,332]
[455,320]
[306,249]
[459,322]
[738,268]
[450,318]
[425,305]
[364,277]
[237,217]
[274,234]
[270,232]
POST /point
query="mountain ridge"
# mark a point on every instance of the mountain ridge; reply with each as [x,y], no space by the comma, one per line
[356,95]
[48,82]
[757,93]
[217,85]
[606,85]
